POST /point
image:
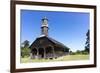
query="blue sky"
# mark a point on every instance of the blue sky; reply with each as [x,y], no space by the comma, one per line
[68,28]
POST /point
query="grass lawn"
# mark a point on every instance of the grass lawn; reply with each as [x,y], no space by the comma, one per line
[64,58]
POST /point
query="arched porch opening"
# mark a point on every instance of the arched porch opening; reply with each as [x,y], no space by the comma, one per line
[50,52]
[41,52]
[34,51]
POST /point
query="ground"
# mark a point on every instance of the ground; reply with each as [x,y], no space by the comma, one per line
[64,58]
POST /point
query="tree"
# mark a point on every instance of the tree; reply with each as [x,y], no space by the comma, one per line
[72,53]
[87,44]
[25,51]
[25,44]
[78,52]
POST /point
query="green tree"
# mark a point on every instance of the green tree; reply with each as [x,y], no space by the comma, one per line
[87,44]
[25,44]
[25,51]
[78,52]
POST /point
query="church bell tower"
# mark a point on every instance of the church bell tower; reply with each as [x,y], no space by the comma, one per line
[44,27]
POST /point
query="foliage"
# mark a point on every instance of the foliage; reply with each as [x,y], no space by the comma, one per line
[25,44]
[25,51]
[79,52]
[82,52]
[72,53]
[87,44]
[85,53]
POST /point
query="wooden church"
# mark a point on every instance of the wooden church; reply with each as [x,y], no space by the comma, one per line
[47,47]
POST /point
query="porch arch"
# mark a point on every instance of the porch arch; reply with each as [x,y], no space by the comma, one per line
[34,51]
[41,52]
[50,52]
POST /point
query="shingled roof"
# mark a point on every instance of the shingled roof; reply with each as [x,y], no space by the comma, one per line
[51,40]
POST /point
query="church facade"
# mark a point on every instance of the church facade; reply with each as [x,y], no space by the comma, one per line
[45,46]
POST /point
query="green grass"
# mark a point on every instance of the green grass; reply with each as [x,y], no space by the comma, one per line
[64,58]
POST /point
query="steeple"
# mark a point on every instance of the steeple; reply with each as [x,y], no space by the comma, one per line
[44,27]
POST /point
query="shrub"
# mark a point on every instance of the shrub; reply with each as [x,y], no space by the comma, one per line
[25,52]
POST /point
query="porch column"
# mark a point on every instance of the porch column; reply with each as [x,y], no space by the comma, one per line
[44,52]
[37,53]
[31,55]
[53,51]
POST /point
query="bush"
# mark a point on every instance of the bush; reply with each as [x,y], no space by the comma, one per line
[25,52]
[84,52]
[78,52]
[73,53]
